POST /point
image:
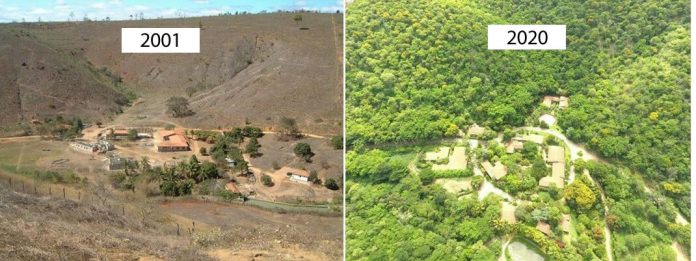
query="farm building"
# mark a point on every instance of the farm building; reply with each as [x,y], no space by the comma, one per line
[565,223]
[298,175]
[563,102]
[495,172]
[555,154]
[507,213]
[513,146]
[548,119]
[172,141]
[120,133]
[538,139]
[544,227]
[475,130]
[104,146]
[548,180]
[83,146]
[550,100]
[558,170]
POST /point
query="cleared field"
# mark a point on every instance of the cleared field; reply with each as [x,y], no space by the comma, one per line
[457,160]
[456,185]
[441,153]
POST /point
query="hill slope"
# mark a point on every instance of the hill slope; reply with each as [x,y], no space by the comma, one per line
[251,67]
[38,81]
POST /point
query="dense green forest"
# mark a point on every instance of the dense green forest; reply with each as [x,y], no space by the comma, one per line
[418,70]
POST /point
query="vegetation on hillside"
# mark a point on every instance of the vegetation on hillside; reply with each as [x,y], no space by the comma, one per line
[419,71]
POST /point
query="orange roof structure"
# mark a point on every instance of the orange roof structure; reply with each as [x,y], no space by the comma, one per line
[120,132]
[231,187]
[173,139]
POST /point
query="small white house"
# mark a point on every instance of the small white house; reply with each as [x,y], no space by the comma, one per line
[297,175]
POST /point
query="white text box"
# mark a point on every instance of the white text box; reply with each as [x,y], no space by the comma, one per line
[160,40]
[526,37]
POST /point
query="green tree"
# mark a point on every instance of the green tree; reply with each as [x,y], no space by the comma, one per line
[252,148]
[331,184]
[288,128]
[132,134]
[178,106]
[580,194]
[314,177]
[304,151]
[267,180]
[337,142]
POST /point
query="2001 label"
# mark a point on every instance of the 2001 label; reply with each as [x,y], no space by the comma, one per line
[160,40]
[527,37]
[156,39]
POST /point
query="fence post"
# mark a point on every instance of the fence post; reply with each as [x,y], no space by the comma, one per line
[22,186]
[177,229]
[123,210]
[63,193]
[79,195]
[193,228]
[49,191]
[10,182]
[35,191]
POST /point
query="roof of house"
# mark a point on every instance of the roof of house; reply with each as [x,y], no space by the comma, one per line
[507,213]
[558,170]
[475,130]
[536,138]
[294,171]
[544,227]
[548,100]
[120,132]
[563,102]
[513,146]
[496,172]
[565,223]
[548,180]
[556,154]
[172,139]
[230,186]
[548,119]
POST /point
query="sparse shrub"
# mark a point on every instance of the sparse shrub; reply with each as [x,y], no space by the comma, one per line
[253,148]
[337,142]
[208,238]
[267,180]
[314,177]
[132,134]
[203,151]
[276,166]
[178,106]
[331,184]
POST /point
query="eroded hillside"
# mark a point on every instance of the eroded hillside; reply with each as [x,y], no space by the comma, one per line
[254,68]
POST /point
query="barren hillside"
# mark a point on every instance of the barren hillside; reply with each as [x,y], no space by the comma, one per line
[38,81]
[251,67]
